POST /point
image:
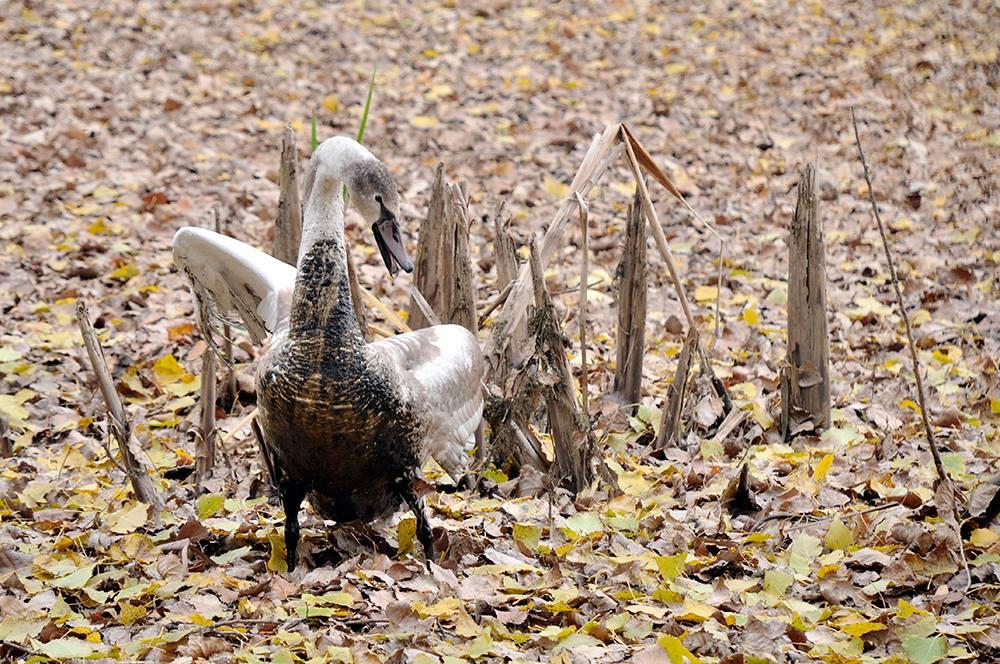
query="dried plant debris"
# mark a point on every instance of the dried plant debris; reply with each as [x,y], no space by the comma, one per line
[123,122]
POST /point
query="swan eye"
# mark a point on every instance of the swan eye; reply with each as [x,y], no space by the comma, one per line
[378,198]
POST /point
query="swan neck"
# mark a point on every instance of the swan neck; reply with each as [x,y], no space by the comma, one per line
[321,301]
[323,215]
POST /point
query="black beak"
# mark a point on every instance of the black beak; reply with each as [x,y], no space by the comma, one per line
[390,243]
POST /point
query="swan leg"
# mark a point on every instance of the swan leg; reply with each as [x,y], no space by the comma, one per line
[268,463]
[292,495]
[424,533]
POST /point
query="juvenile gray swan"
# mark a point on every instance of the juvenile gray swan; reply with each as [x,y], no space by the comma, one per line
[345,422]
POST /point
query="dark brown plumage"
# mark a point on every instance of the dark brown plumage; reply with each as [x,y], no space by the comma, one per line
[333,425]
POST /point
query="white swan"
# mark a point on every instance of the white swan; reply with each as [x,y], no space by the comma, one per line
[346,422]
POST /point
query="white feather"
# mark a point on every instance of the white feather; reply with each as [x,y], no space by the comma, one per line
[442,371]
[235,282]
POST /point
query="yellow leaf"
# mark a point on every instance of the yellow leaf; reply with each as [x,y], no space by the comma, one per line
[825,570]
[330,103]
[125,272]
[822,468]
[947,354]
[527,534]
[675,68]
[983,537]
[868,306]
[12,407]
[99,227]
[676,651]
[555,188]
[128,613]
[277,562]
[838,536]
[424,121]
[88,210]
[862,628]
[446,608]
[706,293]
[104,193]
[210,504]
[484,109]
[439,91]
[9,354]
[67,649]
[168,370]
[76,579]
[695,611]
[751,316]
[128,519]
[406,533]
[201,620]
[270,123]
[904,610]
[671,566]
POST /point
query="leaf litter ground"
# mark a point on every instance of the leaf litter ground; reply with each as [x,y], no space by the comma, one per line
[125,121]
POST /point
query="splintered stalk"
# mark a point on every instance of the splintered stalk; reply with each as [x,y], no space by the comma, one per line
[118,422]
[582,318]
[900,307]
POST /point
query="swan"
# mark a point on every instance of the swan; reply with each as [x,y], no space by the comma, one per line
[347,423]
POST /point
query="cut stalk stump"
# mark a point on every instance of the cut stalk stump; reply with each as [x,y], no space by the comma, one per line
[6,447]
[443,273]
[670,422]
[288,225]
[632,280]
[429,250]
[805,380]
[205,453]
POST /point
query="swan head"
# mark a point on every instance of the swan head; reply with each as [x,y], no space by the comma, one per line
[373,194]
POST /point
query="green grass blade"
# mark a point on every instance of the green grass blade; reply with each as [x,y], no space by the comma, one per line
[368,105]
[313,141]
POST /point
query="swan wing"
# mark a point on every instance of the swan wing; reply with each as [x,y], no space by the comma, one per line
[442,372]
[235,283]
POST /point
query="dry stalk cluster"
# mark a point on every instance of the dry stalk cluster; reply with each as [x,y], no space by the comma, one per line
[524,370]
